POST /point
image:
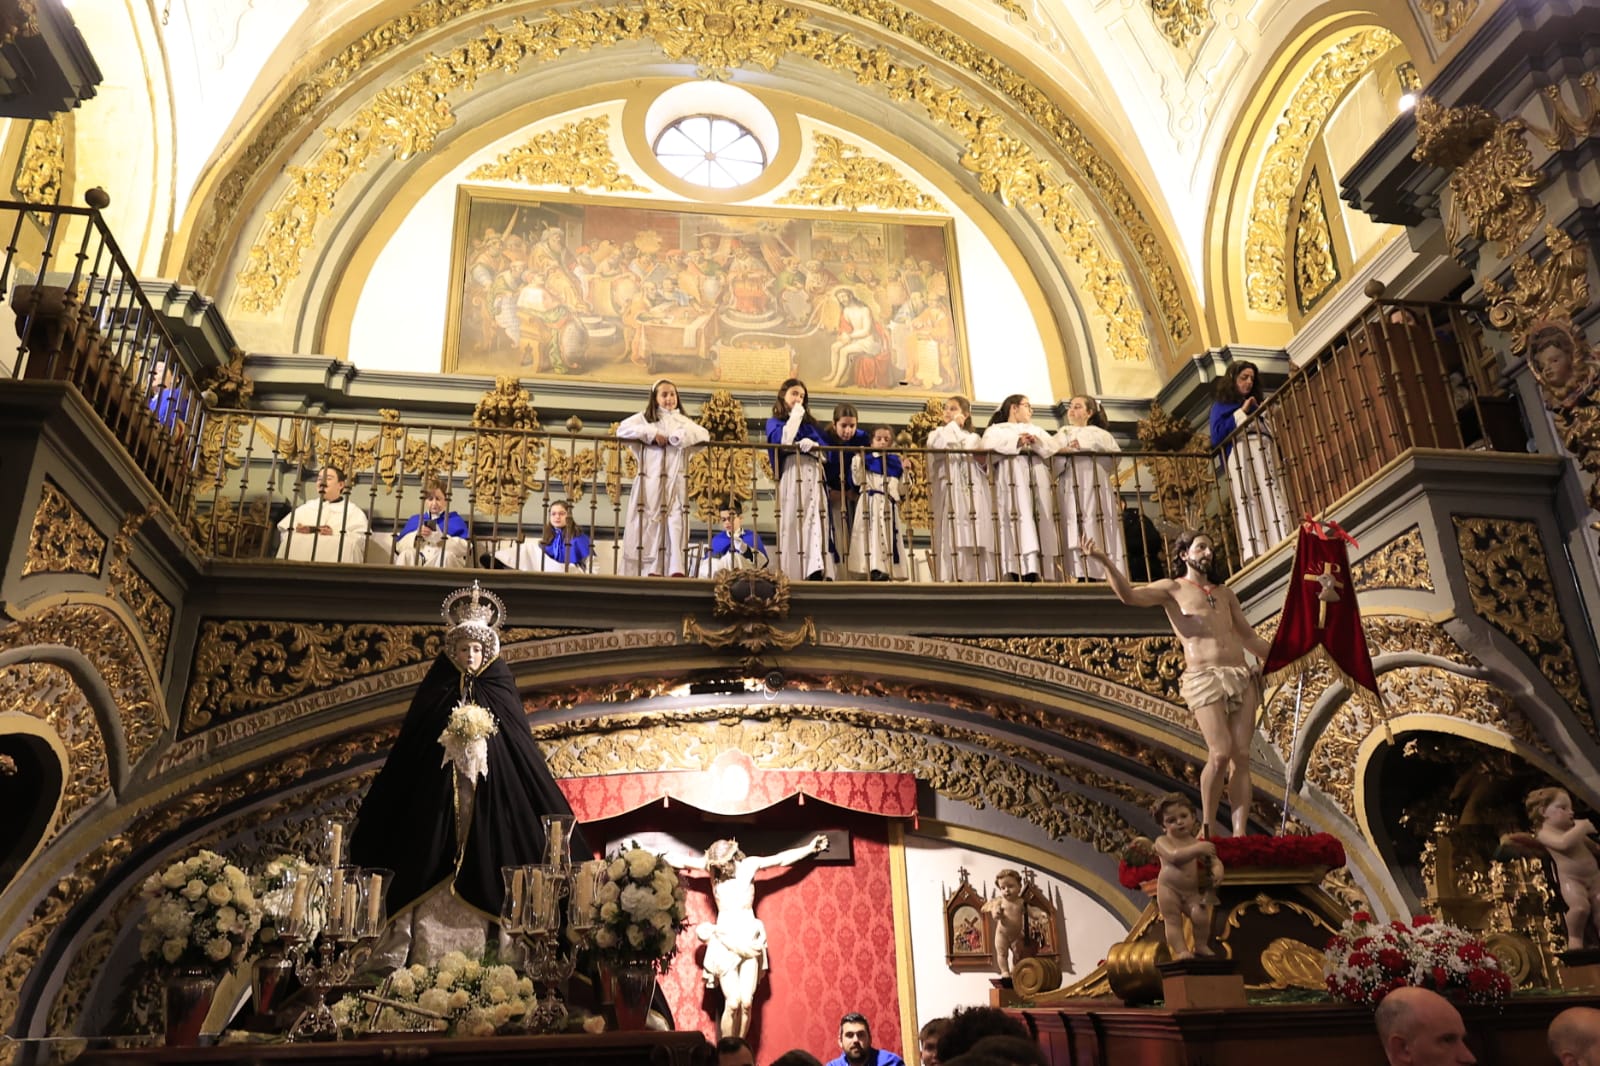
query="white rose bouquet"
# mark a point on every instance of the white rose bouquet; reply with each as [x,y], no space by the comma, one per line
[639,911]
[201,913]
[466,740]
[477,996]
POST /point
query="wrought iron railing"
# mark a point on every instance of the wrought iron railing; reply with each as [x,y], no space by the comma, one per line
[82,318]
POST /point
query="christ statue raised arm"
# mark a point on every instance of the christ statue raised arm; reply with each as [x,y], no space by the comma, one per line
[736,943]
[1220,685]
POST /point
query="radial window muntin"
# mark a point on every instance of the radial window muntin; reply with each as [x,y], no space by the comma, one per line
[710,150]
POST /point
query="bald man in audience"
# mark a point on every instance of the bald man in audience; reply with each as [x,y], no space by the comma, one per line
[1575,1037]
[1421,1028]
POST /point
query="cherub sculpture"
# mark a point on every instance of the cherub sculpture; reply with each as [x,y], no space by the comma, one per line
[1190,872]
[1572,847]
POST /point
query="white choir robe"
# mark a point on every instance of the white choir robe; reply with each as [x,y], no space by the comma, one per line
[414,549]
[1024,498]
[1259,505]
[963,511]
[878,540]
[1089,503]
[346,544]
[655,536]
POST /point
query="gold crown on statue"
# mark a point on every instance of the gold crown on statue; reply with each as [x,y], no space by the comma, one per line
[475,607]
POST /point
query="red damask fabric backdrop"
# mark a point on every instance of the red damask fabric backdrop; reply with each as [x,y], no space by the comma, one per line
[830,927]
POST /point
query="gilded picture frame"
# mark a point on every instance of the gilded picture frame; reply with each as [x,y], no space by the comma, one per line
[624,291]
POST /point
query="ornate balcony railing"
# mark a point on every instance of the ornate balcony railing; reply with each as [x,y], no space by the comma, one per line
[256,495]
[82,318]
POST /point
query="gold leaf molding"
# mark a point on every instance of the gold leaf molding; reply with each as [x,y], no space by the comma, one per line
[1180,20]
[1446,17]
[62,540]
[352,146]
[577,155]
[1316,269]
[841,176]
[1558,287]
[47,692]
[1402,563]
[1267,228]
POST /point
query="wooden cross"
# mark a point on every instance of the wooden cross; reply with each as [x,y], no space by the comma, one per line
[1328,592]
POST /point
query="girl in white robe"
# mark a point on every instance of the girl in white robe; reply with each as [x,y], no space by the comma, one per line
[1085,466]
[1024,492]
[805,542]
[963,511]
[655,532]
[878,540]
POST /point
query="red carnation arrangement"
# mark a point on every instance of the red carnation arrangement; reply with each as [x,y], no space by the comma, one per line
[1139,863]
[1367,959]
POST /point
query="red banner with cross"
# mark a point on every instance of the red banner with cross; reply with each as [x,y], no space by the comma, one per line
[1320,610]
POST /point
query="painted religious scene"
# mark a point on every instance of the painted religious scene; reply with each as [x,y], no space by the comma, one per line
[624,292]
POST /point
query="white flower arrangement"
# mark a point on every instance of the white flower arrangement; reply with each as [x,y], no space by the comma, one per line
[466,739]
[639,911]
[479,997]
[201,913]
[274,888]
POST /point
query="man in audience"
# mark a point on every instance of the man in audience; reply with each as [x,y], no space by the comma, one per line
[968,1025]
[733,1051]
[327,528]
[1418,1027]
[928,1040]
[855,1044]
[1575,1037]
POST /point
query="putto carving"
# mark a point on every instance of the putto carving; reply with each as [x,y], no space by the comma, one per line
[62,540]
[577,155]
[841,176]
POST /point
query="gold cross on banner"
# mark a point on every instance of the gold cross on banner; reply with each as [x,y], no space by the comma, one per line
[1327,593]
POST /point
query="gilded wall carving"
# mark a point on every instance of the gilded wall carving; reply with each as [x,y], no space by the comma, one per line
[1151,665]
[62,540]
[102,638]
[47,692]
[960,764]
[841,176]
[1434,690]
[1493,191]
[1570,125]
[1508,578]
[1180,20]
[1402,563]
[577,155]
[1316,268]
[150,610]
[720,476]
[1267,228]
[1558,287]
[243,666]
[1446,17]
[44,161]
[406,117]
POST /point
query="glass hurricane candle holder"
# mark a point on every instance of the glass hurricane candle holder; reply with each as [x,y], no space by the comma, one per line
[558,839]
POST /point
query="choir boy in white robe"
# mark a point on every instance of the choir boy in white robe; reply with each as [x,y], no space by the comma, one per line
[878,541]
[327,528]
[1024,492]
[963,510]
[655,535]
[1085,466]
[436,536]
[805,541]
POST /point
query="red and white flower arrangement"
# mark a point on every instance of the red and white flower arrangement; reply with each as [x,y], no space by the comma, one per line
[1368,959]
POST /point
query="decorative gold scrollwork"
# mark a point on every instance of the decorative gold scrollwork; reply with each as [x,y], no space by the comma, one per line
[1180,20]
[150,609]
[1402,563]
[1446,17]
[1316,268]
[62,540]
[720,476]
[1555,288]
[577,155]
[841,176]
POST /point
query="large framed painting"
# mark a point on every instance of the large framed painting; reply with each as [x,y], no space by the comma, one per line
[628,291]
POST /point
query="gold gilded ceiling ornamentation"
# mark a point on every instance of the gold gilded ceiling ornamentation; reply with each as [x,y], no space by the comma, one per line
[916,498]
[1003,164]
[960,764]
[721,35]
[1569,126]
[1493,191]
[63,540]
[299,834]
[153,613]
[90,872]
[1402,563]
[243,666]
[720,476]
[47,692]
[44,161]
[1180,20]
[1316,268]
[577,155]
[1446,17]
[106,643]
[1508,578]
[1267,229]
[1555,288]
[841,176]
